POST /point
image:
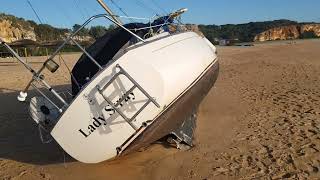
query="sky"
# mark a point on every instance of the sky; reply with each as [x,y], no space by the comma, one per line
[65,13]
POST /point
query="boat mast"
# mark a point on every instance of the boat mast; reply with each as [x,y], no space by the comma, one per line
[109,11]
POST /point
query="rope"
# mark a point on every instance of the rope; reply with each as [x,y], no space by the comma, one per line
[41,129]
[165,22]
[62,59]
[149,27]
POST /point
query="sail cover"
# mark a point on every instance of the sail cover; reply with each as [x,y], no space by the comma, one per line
[104,49]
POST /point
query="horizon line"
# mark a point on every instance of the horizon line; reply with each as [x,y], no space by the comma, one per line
[287,19]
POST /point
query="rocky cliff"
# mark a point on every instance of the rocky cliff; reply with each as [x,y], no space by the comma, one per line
[288,32]
[311,27]
[10,31]
[13,28]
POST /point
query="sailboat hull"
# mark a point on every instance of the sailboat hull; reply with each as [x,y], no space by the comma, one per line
[143,86]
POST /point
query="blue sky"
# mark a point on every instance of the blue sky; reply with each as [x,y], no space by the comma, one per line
[65,13]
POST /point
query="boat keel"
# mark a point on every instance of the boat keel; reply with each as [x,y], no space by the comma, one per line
[183,136]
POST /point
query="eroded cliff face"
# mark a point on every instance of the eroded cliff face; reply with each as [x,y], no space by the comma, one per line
[311,27]
[279,33]
[287,32]
[10,32]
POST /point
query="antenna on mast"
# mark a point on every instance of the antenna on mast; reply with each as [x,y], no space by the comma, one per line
[105,7]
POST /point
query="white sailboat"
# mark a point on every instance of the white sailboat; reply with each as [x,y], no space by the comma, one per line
[132,87]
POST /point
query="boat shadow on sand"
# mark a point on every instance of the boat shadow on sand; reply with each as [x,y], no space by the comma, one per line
[19,135]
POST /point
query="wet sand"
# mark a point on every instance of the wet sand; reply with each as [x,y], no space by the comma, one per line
[260,121]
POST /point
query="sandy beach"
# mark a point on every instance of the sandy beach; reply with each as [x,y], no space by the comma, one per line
[260,121]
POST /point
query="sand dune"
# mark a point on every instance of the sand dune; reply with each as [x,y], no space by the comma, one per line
[260,121]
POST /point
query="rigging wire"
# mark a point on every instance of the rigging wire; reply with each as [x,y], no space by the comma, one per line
[84,8]
[93,9]
[78,7]
[159,7]
[117,6]
[63,12]
[120,9]
[145,6]
[35,12]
